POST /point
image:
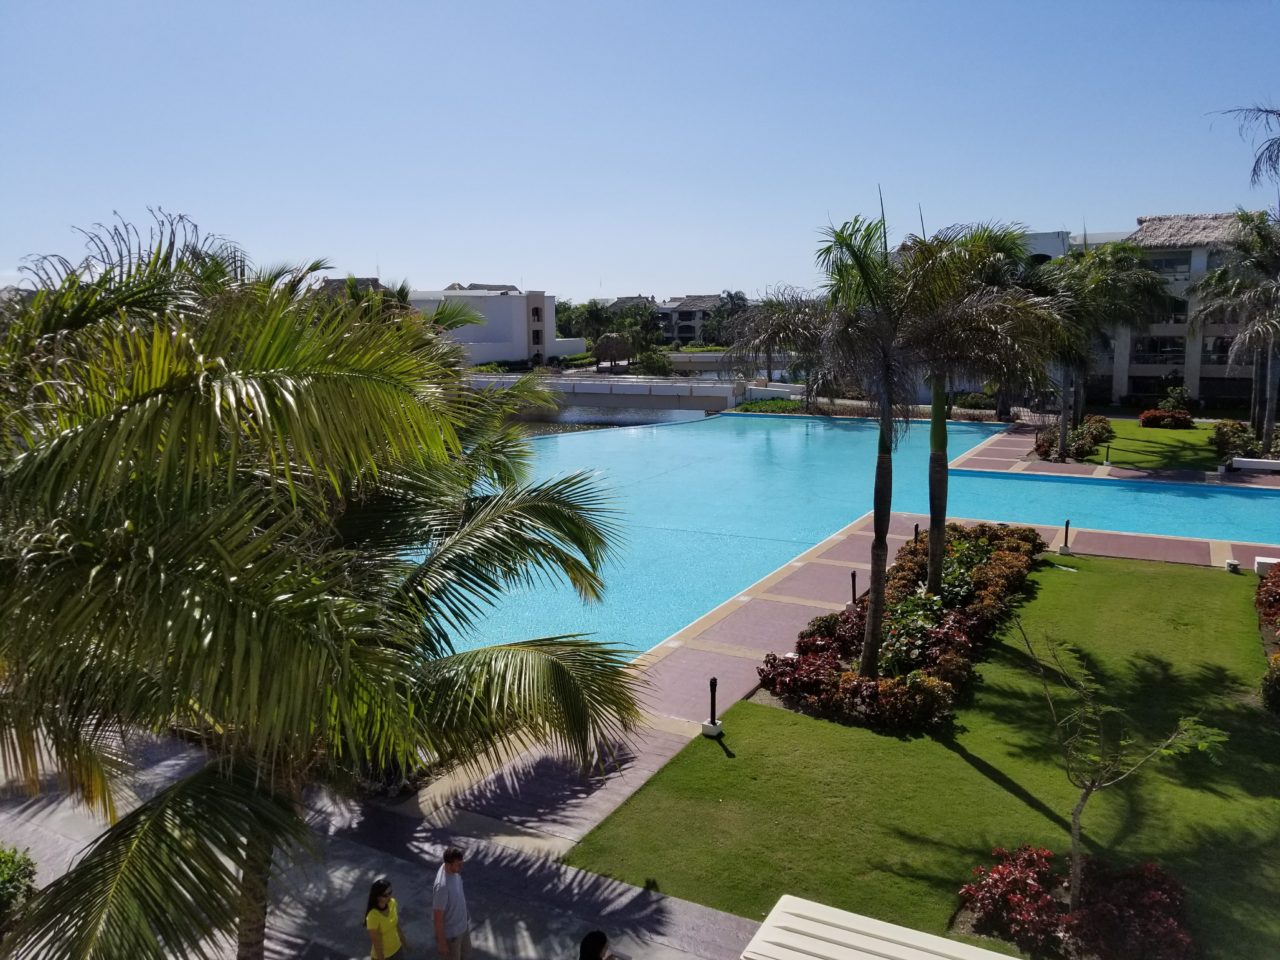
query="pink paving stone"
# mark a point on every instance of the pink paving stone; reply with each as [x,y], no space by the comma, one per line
[1061,469]
[1246,553]
[985,463]
[763,625]
[678,682]
[817,581]
[1253,479]
[1134,547]
[902,524]
[856,548]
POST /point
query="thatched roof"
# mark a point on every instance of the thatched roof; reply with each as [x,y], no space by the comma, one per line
[624,303]
[486,287]
[1182,230]
[700,301]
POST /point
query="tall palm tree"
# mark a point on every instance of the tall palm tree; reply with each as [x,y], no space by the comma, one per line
[961,321]
[868,299]
[235,509]
[1099,291]
[1266,162]
[1246,289]
[787,323]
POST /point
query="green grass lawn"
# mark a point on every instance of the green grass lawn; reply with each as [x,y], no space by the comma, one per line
[1153,448]
[891,828]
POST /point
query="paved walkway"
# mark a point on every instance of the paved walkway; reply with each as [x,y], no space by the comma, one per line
[1013,451]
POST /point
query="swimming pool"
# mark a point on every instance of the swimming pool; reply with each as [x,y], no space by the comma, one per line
[709,507]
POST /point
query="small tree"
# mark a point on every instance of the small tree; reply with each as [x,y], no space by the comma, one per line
[1097,749]
[17,883]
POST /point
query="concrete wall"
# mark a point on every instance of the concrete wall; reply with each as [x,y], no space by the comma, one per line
[507,330]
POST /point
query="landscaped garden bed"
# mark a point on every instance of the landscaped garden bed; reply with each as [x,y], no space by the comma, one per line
[1082,441]
[1142,448]
[892,827]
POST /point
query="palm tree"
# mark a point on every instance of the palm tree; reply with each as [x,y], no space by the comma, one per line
[868,299]
[1246,289]
[1266,162]
[962,321]
[1099,290]
[787,323]
[256,516]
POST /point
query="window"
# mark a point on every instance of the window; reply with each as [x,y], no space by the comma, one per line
[1171,264]
[1175,311]
[1215,350]
[1164,350]
[537,338]
[537,314]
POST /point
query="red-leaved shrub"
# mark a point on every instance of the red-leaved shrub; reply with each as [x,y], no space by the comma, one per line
[1014,899]
[800,677]
[1135,913]
[1267,599]
[1166,419]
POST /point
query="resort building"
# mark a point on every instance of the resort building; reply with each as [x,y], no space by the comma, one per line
[519,325]
[1172,350]
[683,317]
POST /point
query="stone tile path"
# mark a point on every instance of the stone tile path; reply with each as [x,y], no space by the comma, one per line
[1012,451]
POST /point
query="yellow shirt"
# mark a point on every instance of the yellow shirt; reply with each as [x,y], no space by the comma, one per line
[387,924]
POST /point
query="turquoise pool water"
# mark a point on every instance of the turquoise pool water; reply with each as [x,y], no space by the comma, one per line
[711,506]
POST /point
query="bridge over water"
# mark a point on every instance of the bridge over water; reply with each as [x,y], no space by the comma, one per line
[656,393]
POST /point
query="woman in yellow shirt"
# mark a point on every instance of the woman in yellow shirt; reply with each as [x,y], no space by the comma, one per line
[382,920]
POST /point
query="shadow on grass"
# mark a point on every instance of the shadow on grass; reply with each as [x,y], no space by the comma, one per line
[1004,782]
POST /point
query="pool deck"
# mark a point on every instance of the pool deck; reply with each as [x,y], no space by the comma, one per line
[541,804]
[1013,451]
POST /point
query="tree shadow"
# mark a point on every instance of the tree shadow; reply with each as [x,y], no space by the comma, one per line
[1004,782]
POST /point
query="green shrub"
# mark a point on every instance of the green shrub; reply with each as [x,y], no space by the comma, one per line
[653,363]
[1271,685]
[17,882]
[772,406]
[975,401]
[1232,438]
[1177,399]
[486,368]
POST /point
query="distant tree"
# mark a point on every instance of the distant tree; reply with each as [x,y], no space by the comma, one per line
[611,347]
[641,324]
[595,319]
[569,317]
[718,328]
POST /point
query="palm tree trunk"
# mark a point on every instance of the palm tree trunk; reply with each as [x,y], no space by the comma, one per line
[937,482]
[1269,414]
[1004,403]
[1077,855]
[768,367]
[1077,413]
[882,504]
[1064,416]
[1255,393]
[252,935]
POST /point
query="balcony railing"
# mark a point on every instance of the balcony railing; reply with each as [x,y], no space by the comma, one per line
[1160,358]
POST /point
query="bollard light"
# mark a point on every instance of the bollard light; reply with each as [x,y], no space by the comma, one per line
[853,584]
[712,727]
[916,536]
[1066,538]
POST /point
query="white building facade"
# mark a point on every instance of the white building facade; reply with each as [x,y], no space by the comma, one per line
[518,325]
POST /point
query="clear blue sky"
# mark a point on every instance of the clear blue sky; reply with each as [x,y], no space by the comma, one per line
[609,148]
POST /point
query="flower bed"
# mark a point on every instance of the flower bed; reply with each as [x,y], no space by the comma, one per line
[1082,441]
[930,643]
[1166,419]
[1134,913]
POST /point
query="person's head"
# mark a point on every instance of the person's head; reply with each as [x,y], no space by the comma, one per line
[379,895]
[453,860]
[595,946]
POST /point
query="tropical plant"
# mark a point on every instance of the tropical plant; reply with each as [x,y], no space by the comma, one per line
[868,299]
[1266,162]
[240,510]
[1246,289]
[788,323]
[610,348]
[1099,290]
[962,322]
[719,328]
[17,883]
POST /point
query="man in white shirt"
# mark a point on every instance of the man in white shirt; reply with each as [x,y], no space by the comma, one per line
[449,906]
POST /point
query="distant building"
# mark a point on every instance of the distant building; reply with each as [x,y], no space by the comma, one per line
[683,317]
[1182,248]
[518,325]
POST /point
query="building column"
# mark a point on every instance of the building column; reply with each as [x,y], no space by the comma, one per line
[1191,368]
[1120,364]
